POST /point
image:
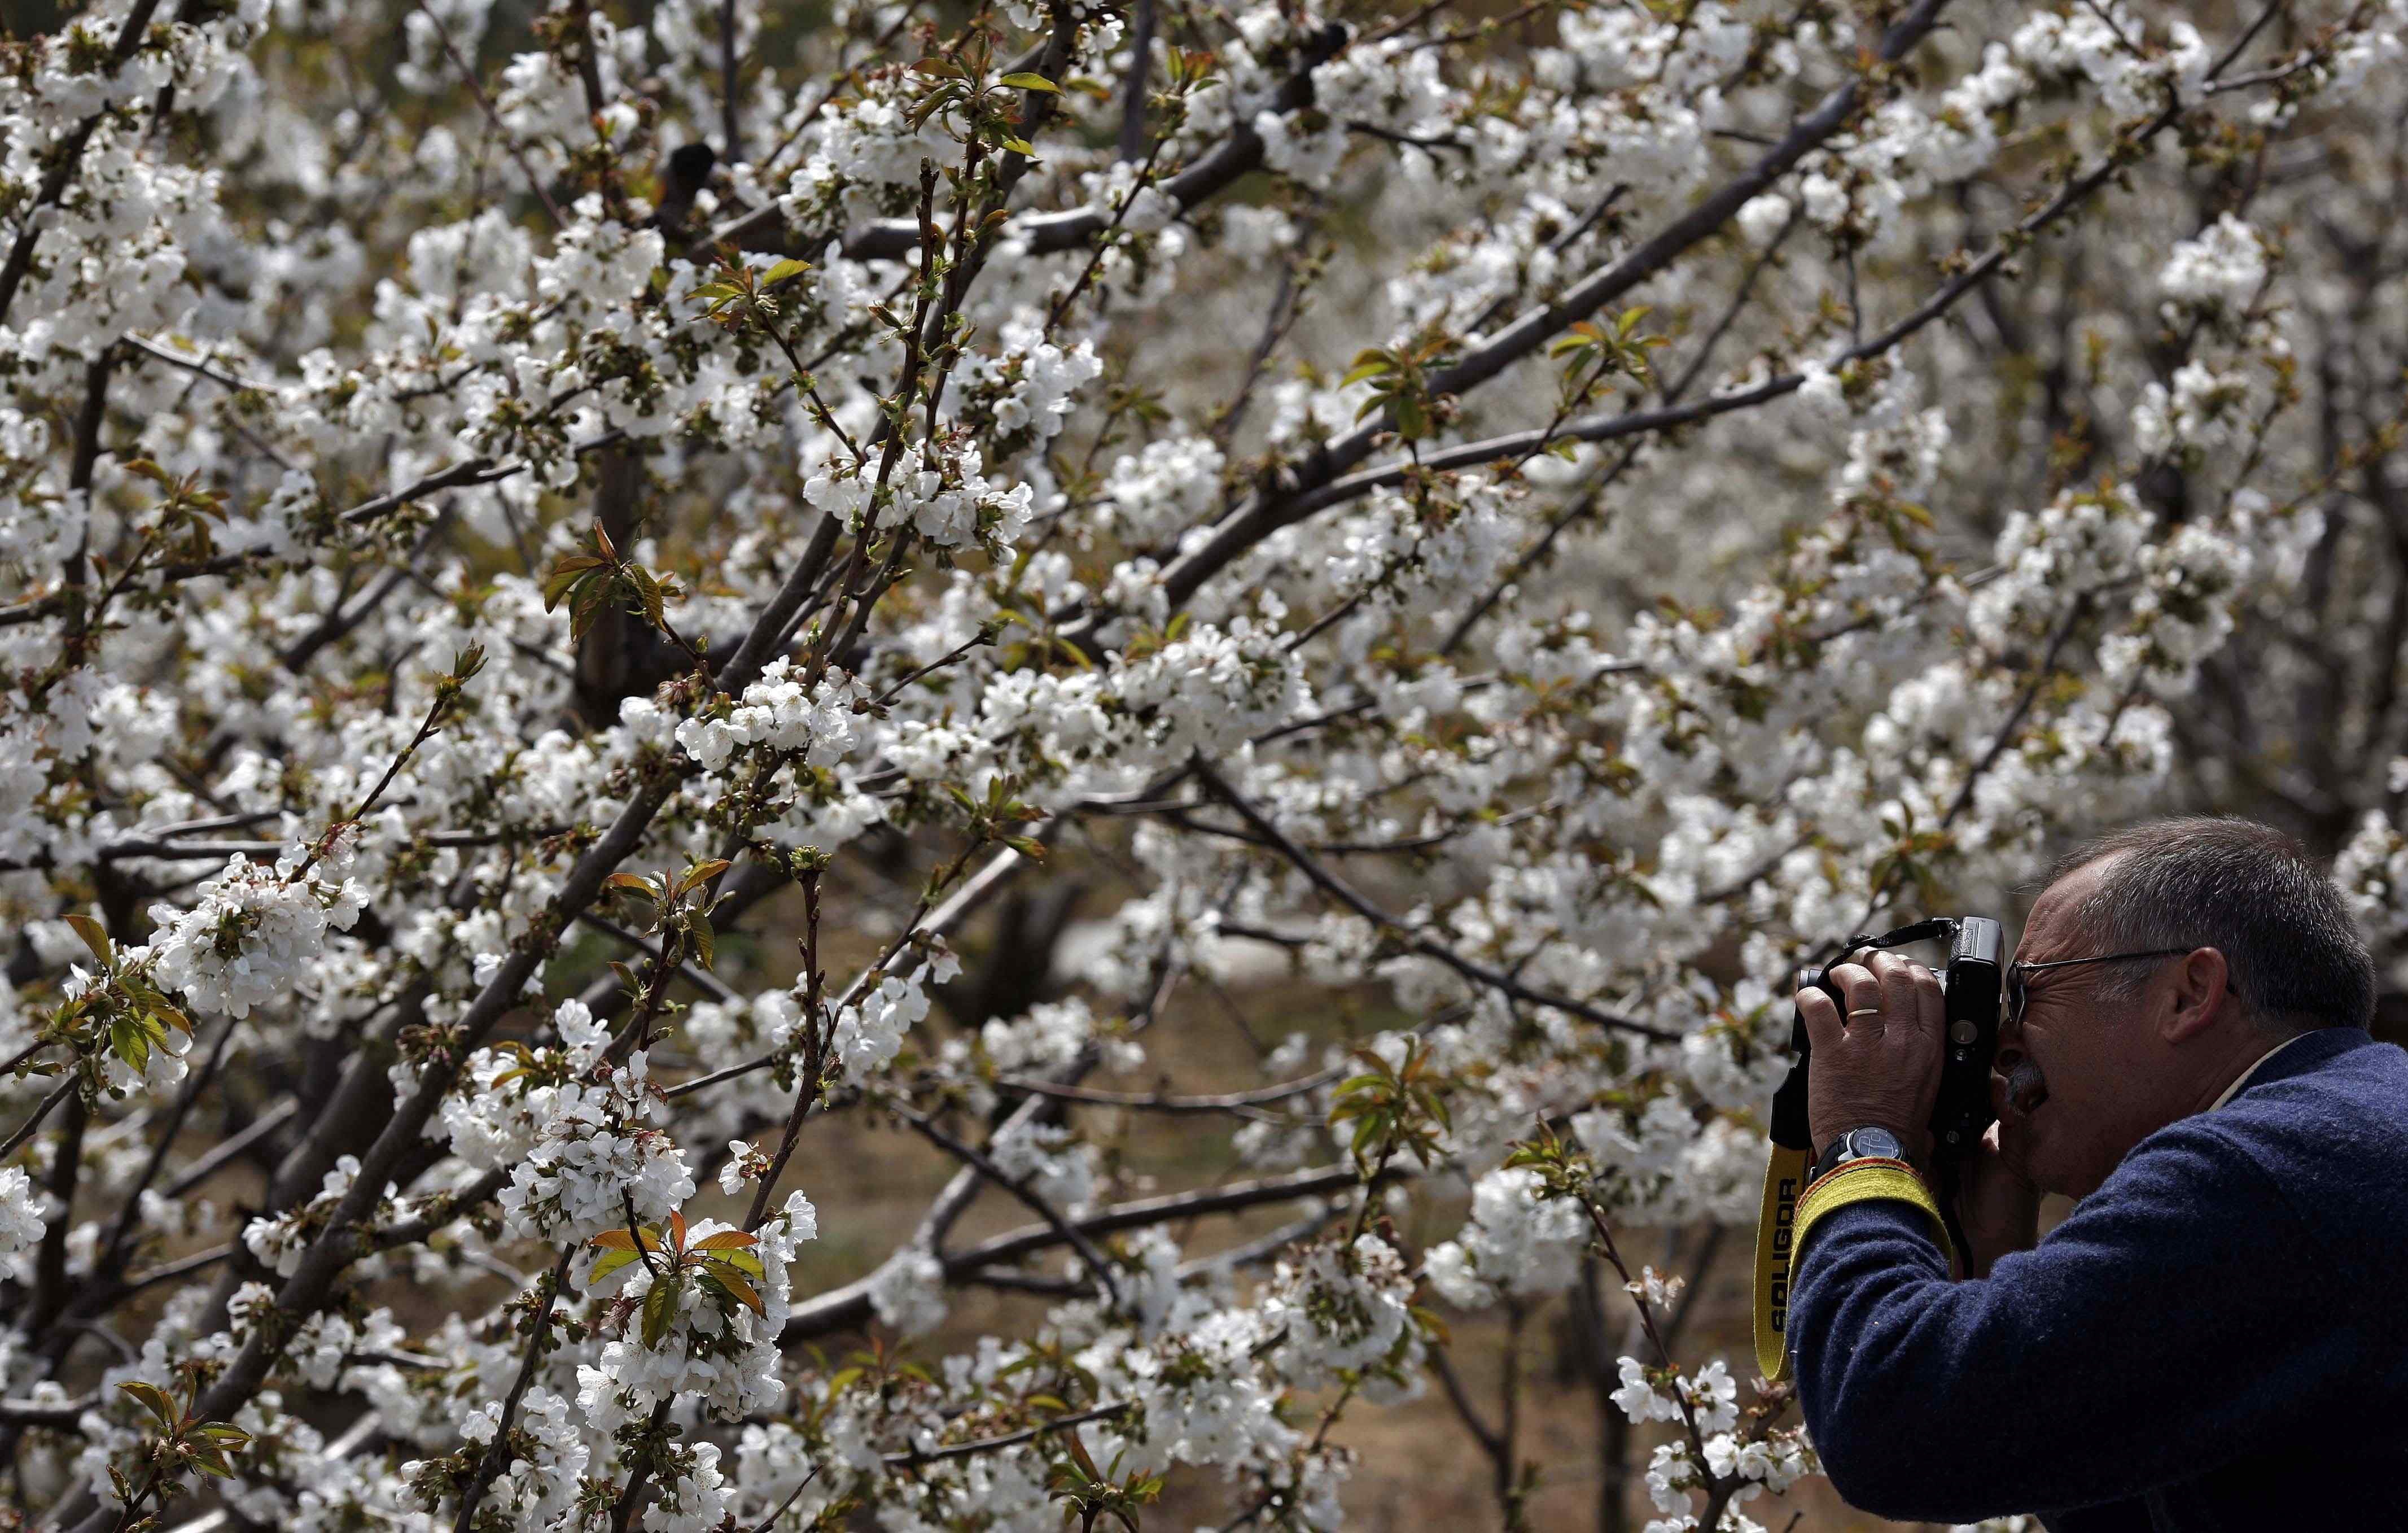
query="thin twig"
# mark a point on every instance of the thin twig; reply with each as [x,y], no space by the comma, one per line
[987,1445]
[25,1130]
[477,90]
[1018,1187]
[1330,884]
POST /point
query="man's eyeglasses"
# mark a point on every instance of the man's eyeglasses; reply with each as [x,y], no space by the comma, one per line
[2018,987]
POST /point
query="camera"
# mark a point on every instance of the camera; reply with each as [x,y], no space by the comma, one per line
[1971,979]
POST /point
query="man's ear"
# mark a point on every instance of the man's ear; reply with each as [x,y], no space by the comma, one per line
[2195,995]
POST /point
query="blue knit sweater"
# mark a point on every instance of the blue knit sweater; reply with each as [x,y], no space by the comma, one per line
[2217,1338]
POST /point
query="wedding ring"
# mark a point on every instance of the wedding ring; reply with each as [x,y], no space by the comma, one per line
[1865,1011]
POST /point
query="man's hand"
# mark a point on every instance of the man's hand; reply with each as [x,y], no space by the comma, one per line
[1881,1067]
[1997,1207]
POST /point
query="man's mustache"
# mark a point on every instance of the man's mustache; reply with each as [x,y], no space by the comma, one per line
[2026,1088]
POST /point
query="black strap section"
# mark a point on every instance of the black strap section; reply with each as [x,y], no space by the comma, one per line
[1949,1174]
[1789,1127]
[1937,926]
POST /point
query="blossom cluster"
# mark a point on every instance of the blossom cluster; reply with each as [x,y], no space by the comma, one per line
[251,936]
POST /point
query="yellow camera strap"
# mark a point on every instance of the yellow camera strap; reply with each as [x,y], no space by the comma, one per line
[1792,1207]
[1776,1242]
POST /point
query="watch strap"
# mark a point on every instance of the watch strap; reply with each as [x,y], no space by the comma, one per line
[1842,1149]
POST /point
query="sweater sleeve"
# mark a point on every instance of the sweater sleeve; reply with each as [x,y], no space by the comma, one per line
[2179,1318]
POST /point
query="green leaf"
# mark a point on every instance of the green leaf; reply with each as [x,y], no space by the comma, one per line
[589,607]
[1020,146]
[1024,81]
[95,936]
[736,1286]
[154,1400]
[783,271]
[648,594]
[1079,1453]
[608,1263]
[660,1309]
[743,1261]
[563,575]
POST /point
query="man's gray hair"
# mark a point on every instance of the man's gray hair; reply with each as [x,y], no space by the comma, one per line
[2244,889]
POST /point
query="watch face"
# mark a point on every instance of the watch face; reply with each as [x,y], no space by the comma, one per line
[1875,1141]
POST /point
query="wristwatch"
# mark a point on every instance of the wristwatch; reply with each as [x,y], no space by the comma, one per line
[1858,1144]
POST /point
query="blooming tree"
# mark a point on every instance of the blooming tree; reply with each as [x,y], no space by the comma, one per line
[586,588]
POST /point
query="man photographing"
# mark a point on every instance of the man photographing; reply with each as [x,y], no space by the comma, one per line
[2216,1338]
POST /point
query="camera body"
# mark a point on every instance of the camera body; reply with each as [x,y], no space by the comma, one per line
[1971,979]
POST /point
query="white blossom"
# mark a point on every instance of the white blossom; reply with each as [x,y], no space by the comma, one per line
[22,1222]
